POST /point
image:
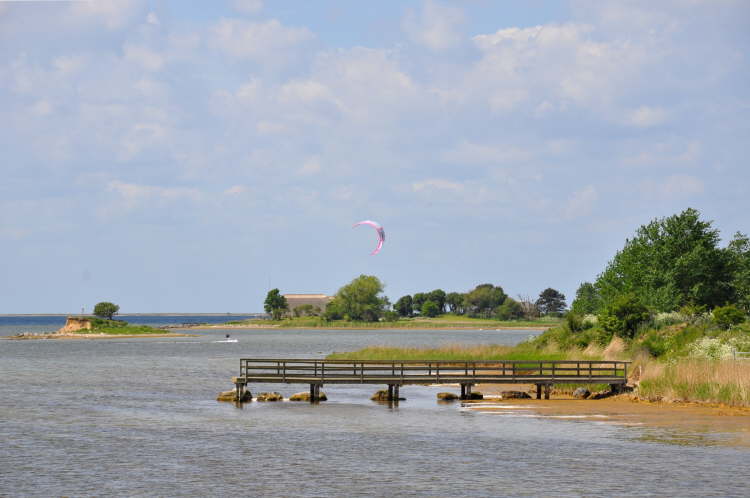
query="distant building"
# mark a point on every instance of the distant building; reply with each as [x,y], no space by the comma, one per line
[317,301]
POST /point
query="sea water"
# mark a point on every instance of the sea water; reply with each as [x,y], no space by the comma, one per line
[138,417]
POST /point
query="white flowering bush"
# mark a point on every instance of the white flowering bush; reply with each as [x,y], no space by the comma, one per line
[710,348]
[667,319]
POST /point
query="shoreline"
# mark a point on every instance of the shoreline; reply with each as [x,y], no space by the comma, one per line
[395,327]
[54,336]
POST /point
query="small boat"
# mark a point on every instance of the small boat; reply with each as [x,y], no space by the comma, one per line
[227,340]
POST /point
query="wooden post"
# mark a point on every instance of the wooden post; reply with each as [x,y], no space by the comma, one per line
[390,392]
[547,389]
[538,391]
[312,393]
[395,392]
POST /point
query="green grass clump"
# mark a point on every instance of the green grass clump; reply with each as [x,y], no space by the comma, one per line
[120,328]
[489,352]
[443,321]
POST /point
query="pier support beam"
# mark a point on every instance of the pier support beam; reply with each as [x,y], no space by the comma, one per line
[466,391]
[547,389]
[538,391]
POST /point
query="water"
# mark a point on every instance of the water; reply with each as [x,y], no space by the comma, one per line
[137,417]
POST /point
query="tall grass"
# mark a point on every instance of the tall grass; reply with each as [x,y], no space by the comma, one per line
[725,381]
[490,352]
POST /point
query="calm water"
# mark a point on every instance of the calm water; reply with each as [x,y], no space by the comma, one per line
[137,417]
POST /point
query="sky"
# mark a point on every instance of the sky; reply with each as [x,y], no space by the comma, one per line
[187,158]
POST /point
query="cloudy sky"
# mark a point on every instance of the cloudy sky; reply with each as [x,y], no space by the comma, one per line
[183,158]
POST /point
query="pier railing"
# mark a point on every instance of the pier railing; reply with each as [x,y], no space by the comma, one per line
[317,371]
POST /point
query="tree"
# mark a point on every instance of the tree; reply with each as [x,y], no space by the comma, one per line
[455,302]
[275,304]
[587,301]
[739,251]
[483,300]
[529,307]
[438,297]
[304,310]
[430,309]
[360,300]
[669,263]
[106,310]
[551,302]
[404,306]
[418,300]
[509,310]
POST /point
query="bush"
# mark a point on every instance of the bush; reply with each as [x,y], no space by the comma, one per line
[727,316]
[624,315]
[509,310]
[574,321]
[391,316]
[430,309]
[656,343]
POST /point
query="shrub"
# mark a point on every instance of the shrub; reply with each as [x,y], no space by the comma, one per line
[727,316]
[574,322]
[710,348]
[509,310]
[391,316]
[106,310]
[430,309]
[624,315]
[655,343]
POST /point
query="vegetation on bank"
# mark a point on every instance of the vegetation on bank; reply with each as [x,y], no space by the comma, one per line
[116,327]
[490,352]
[443,321]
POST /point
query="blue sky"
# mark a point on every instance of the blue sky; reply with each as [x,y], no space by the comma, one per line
[182,158]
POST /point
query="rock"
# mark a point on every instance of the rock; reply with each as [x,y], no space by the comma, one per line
[474,396]
[382,395]
[305,396]
[269,397]
[232,396]
[447,396]
[581,393]
[514,395]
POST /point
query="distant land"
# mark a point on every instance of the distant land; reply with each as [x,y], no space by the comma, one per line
[135,314]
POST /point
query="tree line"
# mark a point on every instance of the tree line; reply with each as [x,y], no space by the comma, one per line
[363,300]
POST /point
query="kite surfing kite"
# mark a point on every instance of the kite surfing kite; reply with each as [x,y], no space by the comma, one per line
[378,229]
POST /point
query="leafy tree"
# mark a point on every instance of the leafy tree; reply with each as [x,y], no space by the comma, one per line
[624,315]
[455,302]
[360,300]
[418,300]
[483,300]
[726,316]
[404,306]
[438,297]
[509,310]
[430,309]
[304,310]
[587,301]
[551,302]
[739,251]
[669,263]
[275,304]
[106,310]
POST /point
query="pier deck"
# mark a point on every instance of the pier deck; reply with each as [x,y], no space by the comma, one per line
[394,374]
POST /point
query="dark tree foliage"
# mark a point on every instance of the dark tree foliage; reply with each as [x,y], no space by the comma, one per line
[739,251]
[455,302]
[438,297]
[551,302]
[106,310]
[404,306]
[669,263]
[624,315]
[418,300]
[587,301]
[430,309]
[727,316]
[509,310]
[275,304]
[483,300]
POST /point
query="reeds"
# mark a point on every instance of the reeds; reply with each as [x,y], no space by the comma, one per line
[724,381]
[454,352]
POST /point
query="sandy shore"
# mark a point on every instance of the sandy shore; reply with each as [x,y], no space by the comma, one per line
[31,337]
[678,423]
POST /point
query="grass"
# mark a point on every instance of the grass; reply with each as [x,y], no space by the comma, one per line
[490,352]
[724,381]
[121,330]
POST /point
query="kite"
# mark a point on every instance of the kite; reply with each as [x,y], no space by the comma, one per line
[378,229]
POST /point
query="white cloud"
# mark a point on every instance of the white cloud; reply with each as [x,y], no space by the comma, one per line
[678,186]
[581,203]
[257,40]
[472,153]
[133,195]
[235,190]
[646,116]
[41,108]
[310,167]
[437,184]
[114,14]
[143,56]
[436,26]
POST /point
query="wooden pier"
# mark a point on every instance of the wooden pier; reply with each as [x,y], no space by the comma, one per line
[394,374]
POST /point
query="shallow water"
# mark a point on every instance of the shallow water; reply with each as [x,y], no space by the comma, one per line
[137,417]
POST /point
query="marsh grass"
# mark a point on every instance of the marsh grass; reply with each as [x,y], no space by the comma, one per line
[725,381]
[122,330]
[457,352]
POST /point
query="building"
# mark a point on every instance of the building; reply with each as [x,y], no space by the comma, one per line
[317,301]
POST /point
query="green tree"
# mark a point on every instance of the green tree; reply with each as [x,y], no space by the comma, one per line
[418,300]
[669,263]
[551,302]
[509,310]
[587,301]
[726,316]
[455,302]
[483,300]
[623,316]
[106,310]
[360,300]
[404,306]
[430,309]
[275,304]
[438,297]
[739,251]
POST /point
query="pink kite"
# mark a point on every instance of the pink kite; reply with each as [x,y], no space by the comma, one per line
[378,229]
